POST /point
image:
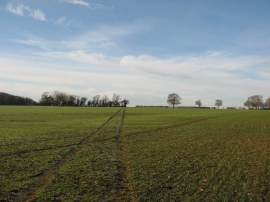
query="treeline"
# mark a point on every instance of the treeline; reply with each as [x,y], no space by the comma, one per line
[58,98]
[8,99]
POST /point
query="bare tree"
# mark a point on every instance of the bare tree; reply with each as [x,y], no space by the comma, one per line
[45,99]
[267,103]
[60,98]
[174,99]
[219,103]
[83,101]
[124,103]
[96,100]
[71,100]
[254,101]
[115,100]
[248,104]
[104,102]
[199,103]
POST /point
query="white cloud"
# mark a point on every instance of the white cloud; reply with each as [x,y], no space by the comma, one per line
[17,10]
[37,14]
[85,4]
[187,66]
[143,79]
[64,22]
[82,57]
[22,10]
[264,74]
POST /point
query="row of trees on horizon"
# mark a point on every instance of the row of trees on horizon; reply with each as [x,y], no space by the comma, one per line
[7,99]
[174,99]
[253,102]
[58,98]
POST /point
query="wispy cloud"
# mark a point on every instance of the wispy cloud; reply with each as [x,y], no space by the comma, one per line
[22,10]
[85,4]
[100,38]
[17,10]
[37,14]
[84,57]
[65,22]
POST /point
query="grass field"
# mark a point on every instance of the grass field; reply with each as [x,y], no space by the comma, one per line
[136,154]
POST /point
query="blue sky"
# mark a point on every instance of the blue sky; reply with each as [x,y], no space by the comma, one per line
[142,50]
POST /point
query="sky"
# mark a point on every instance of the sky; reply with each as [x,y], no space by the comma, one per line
[142,50]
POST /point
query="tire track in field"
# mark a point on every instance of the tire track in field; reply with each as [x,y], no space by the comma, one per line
[121,184]
[68,137]
[159,129]
[38,150]
[47,176]
[167,184]
[175,125]
[169,127]
[42,140]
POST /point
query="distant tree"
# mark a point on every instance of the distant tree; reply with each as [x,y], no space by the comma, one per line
[83,101]
[219,103]
[267,103]
[248,104]
[95,101]
[77,100]
[46,99]
[89,103]
[29,101]
[60,98]
[104,102]
[116,100]
[199,103]
[254,101]
[174,99]
[71,100]
[124,103]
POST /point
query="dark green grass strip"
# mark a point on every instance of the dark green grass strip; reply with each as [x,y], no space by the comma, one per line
[46,177]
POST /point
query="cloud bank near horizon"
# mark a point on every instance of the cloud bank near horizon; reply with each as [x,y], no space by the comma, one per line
[142,79]
[141,58]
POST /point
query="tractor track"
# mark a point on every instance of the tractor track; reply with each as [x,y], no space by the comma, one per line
[106,139]
[47,175]
[38,150]
[169,127]
[158,129]
[42,141]
[121,184]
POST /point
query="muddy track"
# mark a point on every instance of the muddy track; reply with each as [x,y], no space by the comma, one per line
[47,176]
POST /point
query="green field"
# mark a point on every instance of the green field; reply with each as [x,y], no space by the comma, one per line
[136,154]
